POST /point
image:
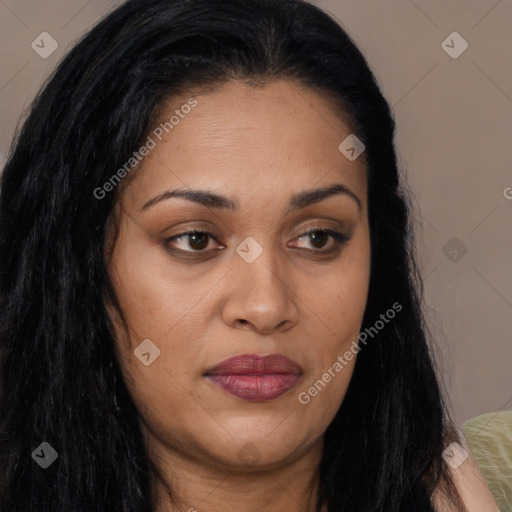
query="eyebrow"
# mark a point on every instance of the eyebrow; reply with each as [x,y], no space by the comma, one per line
[211,200]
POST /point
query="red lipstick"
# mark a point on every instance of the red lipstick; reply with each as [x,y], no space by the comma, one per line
[256,378]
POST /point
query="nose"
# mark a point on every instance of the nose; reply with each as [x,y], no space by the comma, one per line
[261,295]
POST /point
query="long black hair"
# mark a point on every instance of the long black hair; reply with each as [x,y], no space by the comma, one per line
[60,381]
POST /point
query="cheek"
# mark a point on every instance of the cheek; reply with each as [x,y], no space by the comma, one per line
[161,306]
[341,301]
[339,306]
[333,357]
[152,295]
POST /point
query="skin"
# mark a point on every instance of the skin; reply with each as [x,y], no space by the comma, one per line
[470,484]
[258,146]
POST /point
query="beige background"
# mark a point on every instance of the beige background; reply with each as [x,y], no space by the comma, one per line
[454,118]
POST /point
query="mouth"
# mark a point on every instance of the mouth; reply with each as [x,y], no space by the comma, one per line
[256,378]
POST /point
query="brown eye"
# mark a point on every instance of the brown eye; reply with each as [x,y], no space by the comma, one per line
[191,241]
[319,238]
[198,241]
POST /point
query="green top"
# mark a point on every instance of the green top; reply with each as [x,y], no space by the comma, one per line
[490,438]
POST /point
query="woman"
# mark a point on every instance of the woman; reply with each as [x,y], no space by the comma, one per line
[209,295]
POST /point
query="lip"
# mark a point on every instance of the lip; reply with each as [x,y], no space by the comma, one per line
[256,378]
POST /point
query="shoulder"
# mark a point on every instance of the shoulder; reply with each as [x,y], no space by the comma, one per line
[469,483]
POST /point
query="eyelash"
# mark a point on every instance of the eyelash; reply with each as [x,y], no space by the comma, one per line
[339,240]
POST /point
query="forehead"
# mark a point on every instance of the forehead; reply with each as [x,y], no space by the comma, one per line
[249,140]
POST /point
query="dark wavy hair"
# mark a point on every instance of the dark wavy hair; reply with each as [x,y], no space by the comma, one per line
[60,380]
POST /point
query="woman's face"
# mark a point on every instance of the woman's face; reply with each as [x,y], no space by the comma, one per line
[255,285]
